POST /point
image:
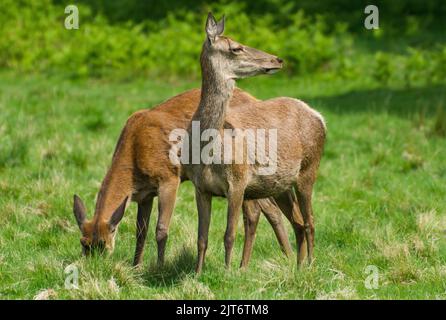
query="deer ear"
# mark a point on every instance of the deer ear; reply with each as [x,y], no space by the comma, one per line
[79,211]
[118,214]
[211,27]
[221,26]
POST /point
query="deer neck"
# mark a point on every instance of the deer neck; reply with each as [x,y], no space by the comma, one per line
[117,184]
[216,92]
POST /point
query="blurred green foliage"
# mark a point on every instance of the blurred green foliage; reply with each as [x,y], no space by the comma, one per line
[134,38]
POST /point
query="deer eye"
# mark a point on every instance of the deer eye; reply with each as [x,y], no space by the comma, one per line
[86,247]
[237,50]
[84,243]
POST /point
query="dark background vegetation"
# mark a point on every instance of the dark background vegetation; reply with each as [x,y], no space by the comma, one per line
[163,38]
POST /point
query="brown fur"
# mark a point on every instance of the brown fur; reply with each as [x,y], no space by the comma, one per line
[142,170]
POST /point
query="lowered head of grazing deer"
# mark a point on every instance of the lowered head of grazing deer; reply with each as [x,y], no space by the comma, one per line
[232,59]
[98,234]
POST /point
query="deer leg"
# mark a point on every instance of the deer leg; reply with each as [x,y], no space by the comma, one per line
[204,204]
[167,193]
[304,191]
[142,222]
[251,214]
[287,202]
[300,228]
[274,216]
[235,201]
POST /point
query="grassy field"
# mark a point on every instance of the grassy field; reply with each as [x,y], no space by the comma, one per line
[379,199]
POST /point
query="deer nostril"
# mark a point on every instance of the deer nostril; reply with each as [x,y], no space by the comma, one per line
[279,60]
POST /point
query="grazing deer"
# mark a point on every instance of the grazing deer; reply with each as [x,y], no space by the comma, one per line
[141,170]
[300,139]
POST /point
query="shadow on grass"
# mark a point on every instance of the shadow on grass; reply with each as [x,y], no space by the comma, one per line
[402,102]
[172,271]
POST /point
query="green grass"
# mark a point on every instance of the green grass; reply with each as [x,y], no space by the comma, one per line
[379,199]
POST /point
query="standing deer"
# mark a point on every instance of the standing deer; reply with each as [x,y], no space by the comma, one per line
[141,170]
[300,136]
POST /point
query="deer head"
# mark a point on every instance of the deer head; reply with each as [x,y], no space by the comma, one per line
[232,59]
[98,235]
